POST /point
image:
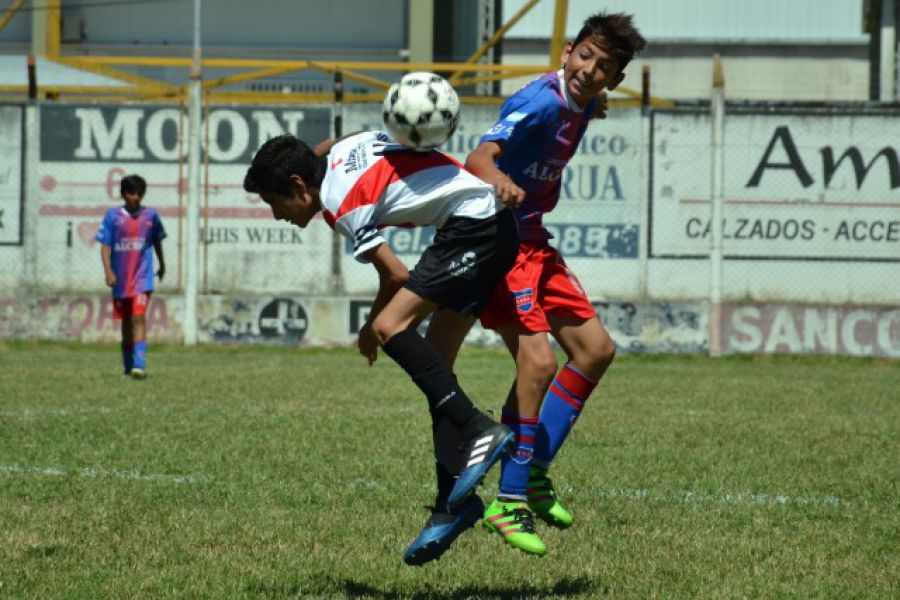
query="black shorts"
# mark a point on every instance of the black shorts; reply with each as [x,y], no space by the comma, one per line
[466,261]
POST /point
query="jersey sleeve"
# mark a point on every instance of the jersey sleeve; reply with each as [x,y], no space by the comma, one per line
[517,121]
[158,232]
[359,225]
[105,232]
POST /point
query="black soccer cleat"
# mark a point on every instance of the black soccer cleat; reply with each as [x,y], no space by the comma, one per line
[480,454]
[441,529]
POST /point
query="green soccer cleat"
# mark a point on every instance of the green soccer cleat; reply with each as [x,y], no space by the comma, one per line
[543,501]
[515,523]
[139,374]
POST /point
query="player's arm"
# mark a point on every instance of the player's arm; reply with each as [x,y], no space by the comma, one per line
[482,162]
[324,147]
[392,274]
[157,247]
[106,257]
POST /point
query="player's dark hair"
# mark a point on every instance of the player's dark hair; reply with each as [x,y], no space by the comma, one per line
[619,32]
[278,159]
[133,184]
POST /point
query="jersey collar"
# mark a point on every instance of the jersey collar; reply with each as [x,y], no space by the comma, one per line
[573,106]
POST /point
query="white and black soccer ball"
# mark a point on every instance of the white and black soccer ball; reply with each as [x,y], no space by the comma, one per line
[421,110]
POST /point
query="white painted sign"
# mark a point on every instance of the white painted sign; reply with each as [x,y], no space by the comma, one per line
[796,329]
[797,186]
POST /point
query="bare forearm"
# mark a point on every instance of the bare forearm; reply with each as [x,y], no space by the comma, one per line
[105,257]
[159,254]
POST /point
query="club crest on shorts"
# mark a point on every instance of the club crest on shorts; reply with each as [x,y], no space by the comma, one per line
[524,299]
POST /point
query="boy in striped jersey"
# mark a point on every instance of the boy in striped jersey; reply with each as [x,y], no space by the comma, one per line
[368,181]
[128,237]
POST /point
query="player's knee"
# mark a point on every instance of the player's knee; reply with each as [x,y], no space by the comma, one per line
[384,329]
[602,353]
[541,368]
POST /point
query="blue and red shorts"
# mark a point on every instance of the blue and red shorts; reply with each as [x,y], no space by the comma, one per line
[134,306]
[538,284]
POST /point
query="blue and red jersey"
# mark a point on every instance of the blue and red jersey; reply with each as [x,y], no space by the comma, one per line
[131,238]
[540,129]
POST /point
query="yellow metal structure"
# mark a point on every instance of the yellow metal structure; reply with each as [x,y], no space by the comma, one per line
[144,89]
[558,40]
[9,13]
[54,27]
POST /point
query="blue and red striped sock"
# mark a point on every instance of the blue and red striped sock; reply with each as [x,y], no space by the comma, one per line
[140,354]
[562,406]
[516,464]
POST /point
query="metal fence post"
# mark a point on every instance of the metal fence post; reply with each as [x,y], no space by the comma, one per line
[337,279]
[717,163]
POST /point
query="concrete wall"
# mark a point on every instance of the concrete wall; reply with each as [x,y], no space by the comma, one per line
[812,222]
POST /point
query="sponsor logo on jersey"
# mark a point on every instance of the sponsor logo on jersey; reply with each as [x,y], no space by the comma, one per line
[336,163]
[129,244]
[543,172]
[356,160]
[524,299]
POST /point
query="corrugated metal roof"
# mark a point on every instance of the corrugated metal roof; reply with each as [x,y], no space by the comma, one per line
[750,21]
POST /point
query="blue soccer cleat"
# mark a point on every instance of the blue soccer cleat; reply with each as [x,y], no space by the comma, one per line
[441,529]
[481,453]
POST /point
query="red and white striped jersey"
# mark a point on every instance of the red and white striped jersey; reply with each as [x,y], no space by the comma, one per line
[371,182]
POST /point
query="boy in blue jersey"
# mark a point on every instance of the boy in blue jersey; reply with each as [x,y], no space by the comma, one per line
[127,235]
[524,155]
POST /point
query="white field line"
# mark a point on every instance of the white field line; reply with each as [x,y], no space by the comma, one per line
[689,497]
[114,473]
[29,413]
[637,494]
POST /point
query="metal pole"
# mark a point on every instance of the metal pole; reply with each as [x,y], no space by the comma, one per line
[558,41]
[888,58]
[337,278]
[645,167]
[717,164]
[192,263]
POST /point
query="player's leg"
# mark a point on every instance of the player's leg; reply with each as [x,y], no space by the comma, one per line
[590,350]
[138,315]
[482,251]
[122,310]
[446,332]
[483,438]
[509,514]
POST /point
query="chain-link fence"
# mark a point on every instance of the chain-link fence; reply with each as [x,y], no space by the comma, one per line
[811,203]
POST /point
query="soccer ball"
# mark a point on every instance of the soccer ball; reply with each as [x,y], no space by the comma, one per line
[421,110]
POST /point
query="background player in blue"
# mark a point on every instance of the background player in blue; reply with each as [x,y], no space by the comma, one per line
[127,234]
[525,154]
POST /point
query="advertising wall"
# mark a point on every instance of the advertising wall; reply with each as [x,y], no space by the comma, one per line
[811,207]
[811,224]
[84,151]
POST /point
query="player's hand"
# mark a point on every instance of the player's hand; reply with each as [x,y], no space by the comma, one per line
[161,272]
[602,105]
[111,279]
[368,343]
[508,192]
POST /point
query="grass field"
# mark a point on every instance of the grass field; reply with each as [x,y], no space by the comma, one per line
[255,472]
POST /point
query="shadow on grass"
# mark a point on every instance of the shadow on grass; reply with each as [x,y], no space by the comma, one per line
[565,588]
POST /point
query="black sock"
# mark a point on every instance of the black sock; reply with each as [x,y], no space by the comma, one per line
[427,370]
[445,482]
